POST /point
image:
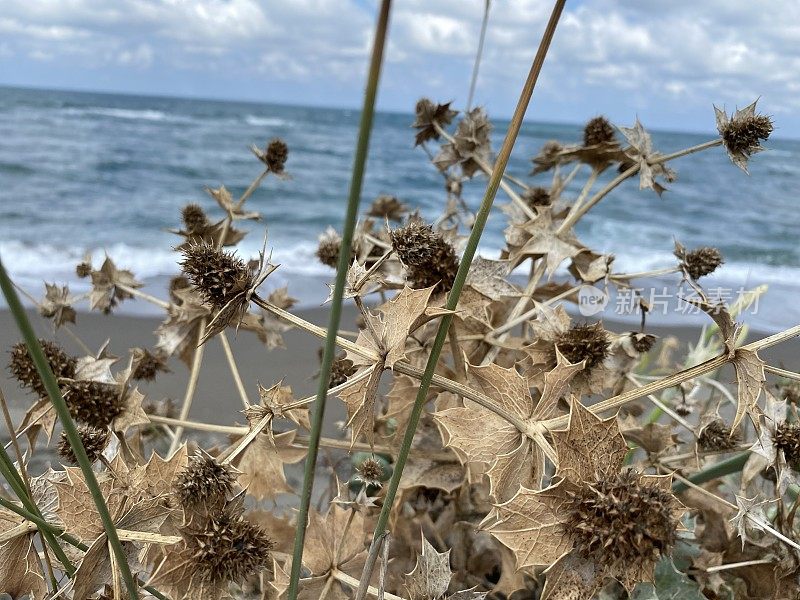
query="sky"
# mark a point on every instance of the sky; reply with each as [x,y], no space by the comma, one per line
[665,61]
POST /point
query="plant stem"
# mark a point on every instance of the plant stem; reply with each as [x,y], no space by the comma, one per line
[359,165]
[676,378]
[191,386]
[237,378]
[51,385]
[143,295]
[474,80]
[452,298]
[730,465]
[574,217]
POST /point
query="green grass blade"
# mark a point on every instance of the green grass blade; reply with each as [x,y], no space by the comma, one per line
[359,163]
[51,385]
[452,299]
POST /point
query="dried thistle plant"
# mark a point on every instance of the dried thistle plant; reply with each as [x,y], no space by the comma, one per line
[552,459]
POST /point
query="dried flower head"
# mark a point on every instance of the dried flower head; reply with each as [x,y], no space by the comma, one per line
[218,275]
[147,365]
[429,258]
[341,369]
[93,402]
[428,116]
[94,441]
[370,472]
[204,483]
[470,146]
[194,219]
[548,157]
[585,342]
[537,196]
[787,439]
[23,370]
[642,342]
[83,269]
[621,520]
[742,133]
[717,436]
[598,131]
[698,262]
[328,249]
[229,549]
[790,391]
[387,207]
[275,155]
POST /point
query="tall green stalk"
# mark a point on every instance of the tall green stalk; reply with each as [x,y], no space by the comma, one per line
[452,298]
[51,385]
[356,181]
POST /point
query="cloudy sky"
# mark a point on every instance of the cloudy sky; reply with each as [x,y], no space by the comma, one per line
[666,61]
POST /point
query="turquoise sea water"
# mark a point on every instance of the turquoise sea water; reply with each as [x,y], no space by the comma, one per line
[93,172]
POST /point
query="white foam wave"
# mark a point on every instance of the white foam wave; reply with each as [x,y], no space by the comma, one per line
[129,114]
[257,121]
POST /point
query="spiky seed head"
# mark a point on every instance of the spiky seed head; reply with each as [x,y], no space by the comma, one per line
[83,269]
[148,365]
[598,131]
[94,441]
[585,342]
[275,155]
[204,482]
[622,520]
[341,369]
[787,439]
[428,257]
[414,242]
[218,275]
[328,249]
[790,391]
[700,261]
[548,157]
[194,218]
[743,133]
[717,436]
[229,549]
[370,472]
[93,402]
[387,207]
[23,370]
[537,196]
[642,342]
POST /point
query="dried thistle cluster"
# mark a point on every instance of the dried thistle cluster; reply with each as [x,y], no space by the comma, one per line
[543,462]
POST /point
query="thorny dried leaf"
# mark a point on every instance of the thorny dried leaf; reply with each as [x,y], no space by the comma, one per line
[334,541]
[57,305]
[431,575]
[750,379]
[273,403]
[262,463]
[641,152]
[19,568]
[105,293]
[749,517]
[540,238]
[359,398]
[489,278]
[590,448]
[470,146]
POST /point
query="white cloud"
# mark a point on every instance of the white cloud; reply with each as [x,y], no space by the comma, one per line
[645,55]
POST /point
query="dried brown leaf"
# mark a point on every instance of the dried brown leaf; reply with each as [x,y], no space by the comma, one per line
[262,463]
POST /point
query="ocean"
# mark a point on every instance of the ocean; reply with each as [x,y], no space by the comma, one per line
[85,172]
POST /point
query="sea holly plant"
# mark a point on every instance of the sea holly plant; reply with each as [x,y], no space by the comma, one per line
[495,445]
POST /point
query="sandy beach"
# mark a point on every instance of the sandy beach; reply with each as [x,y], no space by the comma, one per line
[217,400]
